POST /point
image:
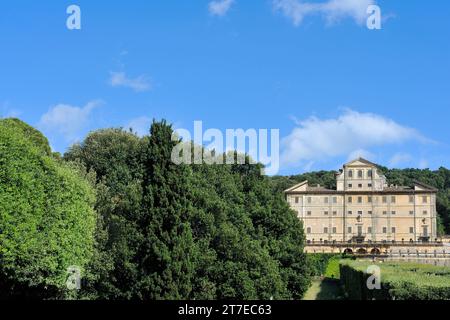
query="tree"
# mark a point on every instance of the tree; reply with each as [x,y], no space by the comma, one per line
[47,221]
[115,156]
[169,254]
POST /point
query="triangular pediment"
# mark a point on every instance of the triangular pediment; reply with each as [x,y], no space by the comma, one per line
[298,187]
[360,162]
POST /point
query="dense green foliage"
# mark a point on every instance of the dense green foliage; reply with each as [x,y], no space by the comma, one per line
[35,137]
[399,281]
[324,264]
[168,256]
[439,179]
[318,262]
[187,231]
[253,240]
[114,155]
[46,217]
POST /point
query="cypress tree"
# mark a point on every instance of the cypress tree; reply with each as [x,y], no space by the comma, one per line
[168,255]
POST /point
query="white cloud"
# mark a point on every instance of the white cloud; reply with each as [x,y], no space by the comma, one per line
[220,7]
[141,126]
[67,120]
[139,84]
[400,158]
[315,139]
[331,10]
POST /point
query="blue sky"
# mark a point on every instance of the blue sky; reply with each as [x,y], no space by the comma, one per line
[334,88]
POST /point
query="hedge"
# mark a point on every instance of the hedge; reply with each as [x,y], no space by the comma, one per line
[399,281]
[319,264]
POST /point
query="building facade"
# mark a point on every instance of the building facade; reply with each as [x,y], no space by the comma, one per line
[364,208]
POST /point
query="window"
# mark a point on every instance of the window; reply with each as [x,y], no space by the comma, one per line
[334,199]
[334,213]
[394,212]
[393,230]
[425,199]
[369,230]
[350,212]
[369,185]
[360,185]
[350,173]
[369,212]
[308,213]
[385,212]
[411,230]
[334,230]
[350,185]
[359,199]
[350,199]
[297,200]
[325,213]
[384,230]
[384,199]
[308,230]
[393,199]
[370,173]
[369,199]
[360,213]
[325,230]
[360,173]
[411,199]
[349,229]
[325,200]
[309,200]
[411,213]
[425,212]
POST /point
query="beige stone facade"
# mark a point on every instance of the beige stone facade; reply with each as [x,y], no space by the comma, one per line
[364,208]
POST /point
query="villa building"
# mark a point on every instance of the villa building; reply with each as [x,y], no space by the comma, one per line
[365,209]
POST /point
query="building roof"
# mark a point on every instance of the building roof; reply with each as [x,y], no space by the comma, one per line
[297,186]
[317,188]
[398,188]
[425,186]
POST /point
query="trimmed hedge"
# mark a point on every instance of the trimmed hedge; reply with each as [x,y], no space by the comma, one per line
[399,281]
[319,263]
